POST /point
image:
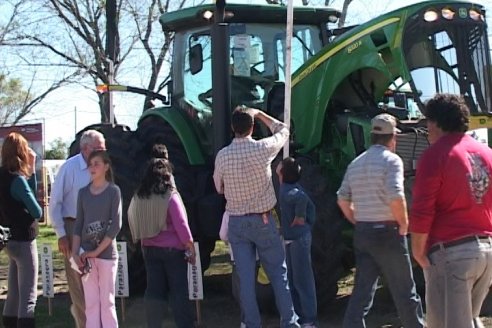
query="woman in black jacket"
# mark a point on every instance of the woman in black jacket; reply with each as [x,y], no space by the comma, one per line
[22,211]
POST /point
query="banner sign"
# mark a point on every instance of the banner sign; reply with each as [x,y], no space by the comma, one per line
[195,284]
[47,271]
[122,288]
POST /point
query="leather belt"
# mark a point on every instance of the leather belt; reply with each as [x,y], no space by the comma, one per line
[260,214]
[458,242]
[378,222]
[264,216]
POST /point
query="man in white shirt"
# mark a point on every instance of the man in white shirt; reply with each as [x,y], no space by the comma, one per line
[73,175]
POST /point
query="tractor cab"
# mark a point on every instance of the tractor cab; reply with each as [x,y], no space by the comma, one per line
[256,45]
[446,51]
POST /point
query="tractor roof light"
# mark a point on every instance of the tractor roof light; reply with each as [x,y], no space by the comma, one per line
[430,15]
[476,15]
[447,13]
[332,19]
[207,14]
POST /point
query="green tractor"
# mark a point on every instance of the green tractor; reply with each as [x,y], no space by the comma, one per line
[234,54]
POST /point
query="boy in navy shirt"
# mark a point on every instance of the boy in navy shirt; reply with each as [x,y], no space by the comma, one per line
[297,219]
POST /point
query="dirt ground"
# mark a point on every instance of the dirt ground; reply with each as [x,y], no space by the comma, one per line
[218,310]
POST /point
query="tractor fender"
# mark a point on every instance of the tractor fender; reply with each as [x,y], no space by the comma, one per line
[182,128]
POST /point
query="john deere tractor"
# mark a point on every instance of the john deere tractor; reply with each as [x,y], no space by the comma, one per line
[235,54]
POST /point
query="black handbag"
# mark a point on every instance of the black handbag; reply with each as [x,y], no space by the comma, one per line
[4,230]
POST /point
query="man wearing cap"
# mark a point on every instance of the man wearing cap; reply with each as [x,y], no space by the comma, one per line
[451,217]
[372,198]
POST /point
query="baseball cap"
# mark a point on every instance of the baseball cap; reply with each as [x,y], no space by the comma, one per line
[384,124]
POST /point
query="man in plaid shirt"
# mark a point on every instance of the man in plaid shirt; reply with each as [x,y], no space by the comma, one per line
[243,174]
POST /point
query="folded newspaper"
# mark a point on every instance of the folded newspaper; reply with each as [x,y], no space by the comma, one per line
[73,264]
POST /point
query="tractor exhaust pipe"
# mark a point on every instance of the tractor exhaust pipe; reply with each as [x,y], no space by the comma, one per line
[221,80]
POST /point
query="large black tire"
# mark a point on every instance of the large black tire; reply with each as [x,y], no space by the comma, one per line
[328,249]
[123,147]
[194,183]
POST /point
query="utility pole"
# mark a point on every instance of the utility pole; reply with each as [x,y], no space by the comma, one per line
[112,46]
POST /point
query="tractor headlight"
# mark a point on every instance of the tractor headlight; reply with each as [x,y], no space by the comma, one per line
[447,13]
[207,14]
[476,15]
[332,18]
[430,15]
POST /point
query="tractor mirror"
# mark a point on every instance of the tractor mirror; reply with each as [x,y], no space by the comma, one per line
[196,58]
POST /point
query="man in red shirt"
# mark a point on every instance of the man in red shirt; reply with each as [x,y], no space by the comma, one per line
[451,217]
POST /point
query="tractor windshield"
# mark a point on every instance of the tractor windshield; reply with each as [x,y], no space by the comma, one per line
[447,52]
[257,60]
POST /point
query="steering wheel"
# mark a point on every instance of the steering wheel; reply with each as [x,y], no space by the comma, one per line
[255,70]
[206,97]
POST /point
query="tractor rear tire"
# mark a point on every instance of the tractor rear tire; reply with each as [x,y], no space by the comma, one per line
[328,249]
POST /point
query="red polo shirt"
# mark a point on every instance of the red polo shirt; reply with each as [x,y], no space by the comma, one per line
[452,194]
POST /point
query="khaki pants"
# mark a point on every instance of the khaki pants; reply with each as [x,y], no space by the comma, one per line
[74,283]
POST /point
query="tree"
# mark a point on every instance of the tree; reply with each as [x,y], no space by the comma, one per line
[343,16]
[330,3]
[11,23]
[157,51]
[58,149]
[16,101]
[13,99]
[70,35]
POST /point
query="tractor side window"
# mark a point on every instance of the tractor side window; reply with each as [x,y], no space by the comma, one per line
[246,55]
[198,81]
[247,67]
[443,75]
[304,46]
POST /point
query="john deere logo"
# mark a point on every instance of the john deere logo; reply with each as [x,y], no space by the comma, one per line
[463,12]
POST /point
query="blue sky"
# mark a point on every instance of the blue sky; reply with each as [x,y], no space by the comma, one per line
[71,108]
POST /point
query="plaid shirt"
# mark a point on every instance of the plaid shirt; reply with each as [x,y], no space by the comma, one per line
[243,173]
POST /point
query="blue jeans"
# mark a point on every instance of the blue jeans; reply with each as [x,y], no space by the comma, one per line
[457,283]
[248,234]
[301,278]
[167,280]
[379,248]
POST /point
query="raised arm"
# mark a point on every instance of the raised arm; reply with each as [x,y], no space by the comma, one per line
[22,192]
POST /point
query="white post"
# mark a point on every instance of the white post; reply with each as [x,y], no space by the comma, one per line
[288,60]
[110,94]
[122,287]
[75,120]
[47,275]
